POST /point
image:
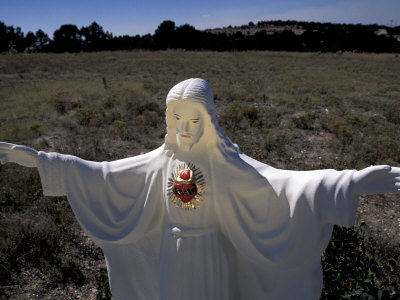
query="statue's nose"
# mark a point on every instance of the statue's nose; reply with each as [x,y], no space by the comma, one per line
[187,126]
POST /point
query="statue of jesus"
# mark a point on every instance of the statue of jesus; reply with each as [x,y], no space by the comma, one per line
[198,219]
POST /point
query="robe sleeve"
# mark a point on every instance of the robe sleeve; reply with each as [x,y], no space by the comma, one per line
[54,171]
[284,219]
[114,202]
[328,194]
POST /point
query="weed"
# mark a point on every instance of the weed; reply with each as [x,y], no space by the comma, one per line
[109,102]
[65,101]
[352,271]
[240,116]
[103,287]
[267,103]
[141,107]
[68,269]
[304,121]
[275,141]
[340,128]
[84,116]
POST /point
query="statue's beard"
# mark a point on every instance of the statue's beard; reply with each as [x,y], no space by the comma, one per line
[186,140]
[184,145]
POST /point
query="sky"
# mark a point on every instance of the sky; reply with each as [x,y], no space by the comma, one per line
[124,17]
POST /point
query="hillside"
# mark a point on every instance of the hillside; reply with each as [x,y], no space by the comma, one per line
[296,111]
[322,32]
[298,28]
[268,35]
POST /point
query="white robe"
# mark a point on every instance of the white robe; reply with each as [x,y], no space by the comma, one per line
[258,234]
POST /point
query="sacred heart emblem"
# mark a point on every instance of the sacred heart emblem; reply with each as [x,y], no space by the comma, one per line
[186,186]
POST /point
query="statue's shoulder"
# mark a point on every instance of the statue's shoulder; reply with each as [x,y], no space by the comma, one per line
[144,162]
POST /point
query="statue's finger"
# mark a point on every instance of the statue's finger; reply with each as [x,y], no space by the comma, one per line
[383,168]
[19,147]
[6,146]
[3,159]
[24,149]
[396,171]
[377,169]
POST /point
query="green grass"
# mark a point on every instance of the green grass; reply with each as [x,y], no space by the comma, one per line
[291,110]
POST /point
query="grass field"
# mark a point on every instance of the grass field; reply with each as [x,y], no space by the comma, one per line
[291,110]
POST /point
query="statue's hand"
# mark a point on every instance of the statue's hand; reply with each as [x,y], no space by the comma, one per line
[377,180]
[19,154]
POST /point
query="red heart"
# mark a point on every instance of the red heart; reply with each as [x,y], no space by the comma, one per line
[185,174]
[185,192]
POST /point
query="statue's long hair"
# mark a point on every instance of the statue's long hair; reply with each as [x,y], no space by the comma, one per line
[198,92]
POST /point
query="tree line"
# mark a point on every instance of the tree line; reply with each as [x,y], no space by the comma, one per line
[323,37]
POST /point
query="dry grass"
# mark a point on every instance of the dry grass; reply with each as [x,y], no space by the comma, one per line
[291,110]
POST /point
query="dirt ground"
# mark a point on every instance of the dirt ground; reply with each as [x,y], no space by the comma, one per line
[382,215]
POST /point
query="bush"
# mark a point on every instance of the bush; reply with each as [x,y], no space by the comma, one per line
[237,116]
[38,241]
[84,116]
[304,121]
[103,287]
[140,107]
[351,271]
[63,102]
[275,141]
[340,128]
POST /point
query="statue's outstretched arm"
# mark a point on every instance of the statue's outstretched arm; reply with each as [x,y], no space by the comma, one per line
[377,180]
[19,154]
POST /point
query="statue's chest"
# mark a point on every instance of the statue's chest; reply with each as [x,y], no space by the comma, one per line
[187,196]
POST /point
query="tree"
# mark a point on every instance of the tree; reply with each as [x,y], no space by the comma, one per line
[30,39]
[164,36]
[3,37]
[187,37]
[16,37]
[67,39]
[260,40]
[42,40]
[94,38]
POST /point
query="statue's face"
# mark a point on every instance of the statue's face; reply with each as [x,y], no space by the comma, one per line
[189,125]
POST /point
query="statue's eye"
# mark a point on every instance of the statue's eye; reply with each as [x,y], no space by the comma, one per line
[195,121]
[177,118]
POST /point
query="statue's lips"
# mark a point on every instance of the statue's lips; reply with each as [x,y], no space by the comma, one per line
[185,135]
[185,192]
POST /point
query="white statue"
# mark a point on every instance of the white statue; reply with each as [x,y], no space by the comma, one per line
[198,219]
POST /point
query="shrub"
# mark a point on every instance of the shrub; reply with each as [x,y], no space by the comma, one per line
[151,117]
[67,268]
[65,101]
[392,111]
[21,130]
[339,128]
[304,121]
[231,95]
[351,271]
[110,117]
[38,241]
[237,116]
[119,124]
[151,87]
[141,107]
[109,102]
[251,113]
[84,116]
[275,141]
[60,106]
[372,150]
[103,287]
